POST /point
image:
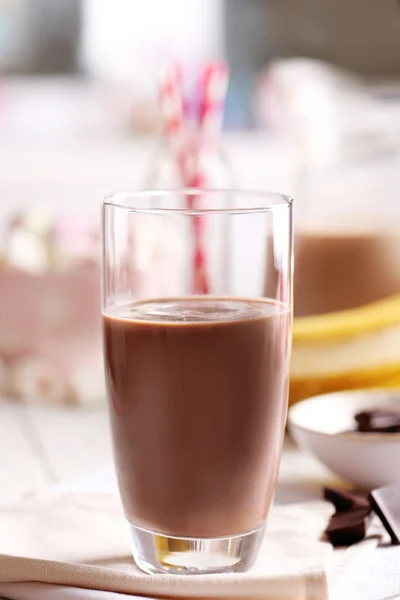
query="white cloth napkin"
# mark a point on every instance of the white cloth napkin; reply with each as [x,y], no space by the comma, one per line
[45,591]
[371,576]
[81,540]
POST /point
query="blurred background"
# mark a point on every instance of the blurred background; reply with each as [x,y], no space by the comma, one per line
[78,95]
[312,109]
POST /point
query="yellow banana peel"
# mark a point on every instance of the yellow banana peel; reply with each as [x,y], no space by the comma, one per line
[348,323]
[352,349]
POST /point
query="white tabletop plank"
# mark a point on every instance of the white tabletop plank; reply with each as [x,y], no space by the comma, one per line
[21,468]
[75,441]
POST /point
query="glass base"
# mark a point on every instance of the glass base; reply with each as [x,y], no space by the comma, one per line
[155,553]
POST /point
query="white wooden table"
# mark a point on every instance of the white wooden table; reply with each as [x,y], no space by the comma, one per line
[42,446]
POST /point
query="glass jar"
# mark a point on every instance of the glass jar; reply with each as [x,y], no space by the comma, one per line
[344,133]
[214,166]
[347,235]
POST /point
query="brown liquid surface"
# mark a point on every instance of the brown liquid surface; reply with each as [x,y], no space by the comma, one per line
[198,395]
[337,271]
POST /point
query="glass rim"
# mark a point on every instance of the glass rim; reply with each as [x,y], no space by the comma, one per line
[126,201]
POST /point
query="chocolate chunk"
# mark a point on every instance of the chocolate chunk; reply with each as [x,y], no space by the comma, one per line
[345,501]
[346,528]
[386,503]
[379,420]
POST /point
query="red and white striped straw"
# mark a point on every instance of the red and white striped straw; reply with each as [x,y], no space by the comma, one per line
[172,105]
[213,88]
[213,83]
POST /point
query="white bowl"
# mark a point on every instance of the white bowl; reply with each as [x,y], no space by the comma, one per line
[323,426]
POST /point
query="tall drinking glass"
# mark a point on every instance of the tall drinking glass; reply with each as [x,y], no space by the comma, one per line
[196,366]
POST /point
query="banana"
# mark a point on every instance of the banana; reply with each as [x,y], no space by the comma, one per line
[346,350]
[348,323]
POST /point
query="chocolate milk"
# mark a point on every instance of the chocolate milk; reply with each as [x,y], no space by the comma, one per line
[343,269]
[198,395]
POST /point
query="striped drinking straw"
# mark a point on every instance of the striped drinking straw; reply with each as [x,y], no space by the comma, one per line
[187,147]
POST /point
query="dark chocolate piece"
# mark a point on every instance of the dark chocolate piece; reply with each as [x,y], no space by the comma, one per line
[378,420]
[386,503]
[346,528]
[345,501]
